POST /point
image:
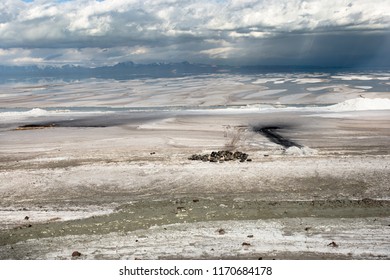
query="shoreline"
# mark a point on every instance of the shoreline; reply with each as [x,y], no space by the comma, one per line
[213,229]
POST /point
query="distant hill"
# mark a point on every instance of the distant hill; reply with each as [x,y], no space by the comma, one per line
[124,70]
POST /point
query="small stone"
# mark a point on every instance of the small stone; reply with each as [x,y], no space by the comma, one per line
[244,156]
[333,244]
[246,244]
[27,217]
[249,159]
[250,236]
[307,228]
[153,153]
[29,225]
[76,254]
[195,200]
[221,231]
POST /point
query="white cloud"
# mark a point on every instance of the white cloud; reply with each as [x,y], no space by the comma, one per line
[219,52]
[27,60]
[140,50]
[185,27]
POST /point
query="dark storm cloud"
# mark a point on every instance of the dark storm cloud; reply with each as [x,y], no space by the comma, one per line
[239,32]
[335,49]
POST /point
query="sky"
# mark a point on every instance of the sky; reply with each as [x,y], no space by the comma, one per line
[246,32]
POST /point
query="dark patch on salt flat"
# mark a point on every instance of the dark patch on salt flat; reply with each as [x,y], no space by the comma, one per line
[270,133]
[96,121]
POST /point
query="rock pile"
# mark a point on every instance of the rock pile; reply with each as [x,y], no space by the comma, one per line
[221,156]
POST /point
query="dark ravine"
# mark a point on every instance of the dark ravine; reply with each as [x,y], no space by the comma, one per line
[270,133]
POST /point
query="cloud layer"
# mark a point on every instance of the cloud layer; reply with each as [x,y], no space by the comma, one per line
[91,32]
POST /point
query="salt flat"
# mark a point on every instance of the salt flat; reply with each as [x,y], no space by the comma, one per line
[107,164]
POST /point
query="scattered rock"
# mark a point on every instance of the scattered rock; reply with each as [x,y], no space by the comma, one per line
[250,236]
[333,244]
[153,153]
[221,231]
[27,217]
[205,158]
[307,228]
[195,200]
[193,157]
[246,244]
[368,201]
[76,254]
[221,156]
[213,159]
[260,258]
[29,225]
